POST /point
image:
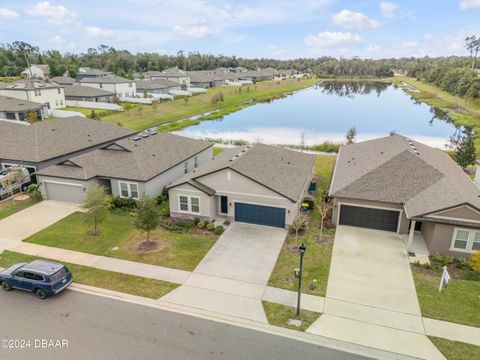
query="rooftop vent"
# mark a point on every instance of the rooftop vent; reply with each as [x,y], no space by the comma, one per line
[136,138]
[145,135]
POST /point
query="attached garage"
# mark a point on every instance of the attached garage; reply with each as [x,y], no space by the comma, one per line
[370,218]
[260,215]
[67,192]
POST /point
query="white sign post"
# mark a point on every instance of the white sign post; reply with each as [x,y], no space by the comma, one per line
[444,279]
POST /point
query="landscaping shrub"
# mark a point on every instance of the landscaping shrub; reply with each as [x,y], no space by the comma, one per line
[185,223]
[171,226]
[310,202]
[160,199]
[34,192]
[442,260]
[226,222]
[475,261]
[118,202]
[218,229]
[165,209]
[461,263]
[201,224]
[196,220]
[210,227]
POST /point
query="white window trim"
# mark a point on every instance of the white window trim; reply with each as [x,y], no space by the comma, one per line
[471,237]
[189,203]
[128,189]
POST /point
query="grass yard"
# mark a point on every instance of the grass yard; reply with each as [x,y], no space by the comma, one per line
[86,275]
[458,303]
[316,262]
[177,250]
[454,350]
[217,150]
[278,315]
[8,208]
[144,116]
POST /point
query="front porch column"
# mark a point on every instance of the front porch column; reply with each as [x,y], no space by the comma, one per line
[410,235]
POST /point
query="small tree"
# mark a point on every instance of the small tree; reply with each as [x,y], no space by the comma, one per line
[32,116]
[184,86]
[13,180]
[464,147]
[350,136]
[475,261]
[472,43]
[298,224]
[324,207]
[128,107]
[148,215]
[96,205]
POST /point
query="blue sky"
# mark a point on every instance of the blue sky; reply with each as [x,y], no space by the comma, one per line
[246,28]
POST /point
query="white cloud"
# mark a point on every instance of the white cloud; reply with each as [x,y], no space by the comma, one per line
[354,20]
[427,37]
[6,14]
[327,39]
[56,14]
[388,9]
[58,40]
[373,48]
[469,4]
[409,44]
[96,32]
[276,51]
[199,28]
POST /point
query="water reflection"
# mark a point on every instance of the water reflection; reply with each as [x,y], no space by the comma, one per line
[352,88]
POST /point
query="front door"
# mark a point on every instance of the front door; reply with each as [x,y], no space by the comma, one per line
[223,205]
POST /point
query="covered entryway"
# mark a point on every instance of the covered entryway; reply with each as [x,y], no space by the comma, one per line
[67,192]
[370,218]
[260,215]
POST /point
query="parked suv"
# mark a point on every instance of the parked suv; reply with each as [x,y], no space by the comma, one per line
[42,277]
[21,185]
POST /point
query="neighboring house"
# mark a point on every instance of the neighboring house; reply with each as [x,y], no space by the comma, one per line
[88,93]
[142,164]
[48,142]
[17,109]
[257,184]
[201,79]
[116,84]
[88,72]
[37,91]
[254,76]
[63,80]
[37,71]
[171,74]
[399,185]
[157,86]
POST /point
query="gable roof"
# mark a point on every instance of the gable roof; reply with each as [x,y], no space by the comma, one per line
[45,140]
[62,80]
[86,91]
[280,170]
[108,79]
[134,158]
[8,103]
[155,84]
[400,170]
[29,84]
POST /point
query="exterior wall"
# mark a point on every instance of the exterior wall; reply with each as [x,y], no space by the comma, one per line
[105,99]
[438,238]
[54,97]
[206,202]
[121,89]
[203,85]
[178,79]
[22,115]
[35,71]
[404,222]
[462,213]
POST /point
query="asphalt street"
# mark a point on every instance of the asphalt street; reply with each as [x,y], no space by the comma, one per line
[85,326]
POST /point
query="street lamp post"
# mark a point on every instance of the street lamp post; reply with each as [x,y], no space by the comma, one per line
[302,248]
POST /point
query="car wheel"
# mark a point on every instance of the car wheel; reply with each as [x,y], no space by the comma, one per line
[5,286]
[40,294]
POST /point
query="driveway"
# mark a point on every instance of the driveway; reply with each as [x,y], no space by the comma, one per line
[231,279]
[37,217]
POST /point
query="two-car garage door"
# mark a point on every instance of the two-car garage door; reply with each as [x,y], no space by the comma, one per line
[371,218]
[64,192]
[260,215]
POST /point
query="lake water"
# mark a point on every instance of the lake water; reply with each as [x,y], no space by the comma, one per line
[326,112]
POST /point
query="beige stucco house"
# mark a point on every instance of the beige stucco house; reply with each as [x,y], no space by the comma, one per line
[39,91]
[400,185]
[257,184]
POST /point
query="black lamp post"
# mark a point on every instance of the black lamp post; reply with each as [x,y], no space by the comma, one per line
[302,248]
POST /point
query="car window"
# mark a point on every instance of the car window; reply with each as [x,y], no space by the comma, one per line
[32,276]
[60,274]
[19,274]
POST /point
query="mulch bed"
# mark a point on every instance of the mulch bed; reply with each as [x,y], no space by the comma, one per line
[149,246]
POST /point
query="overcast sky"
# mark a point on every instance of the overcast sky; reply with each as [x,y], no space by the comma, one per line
[246,28]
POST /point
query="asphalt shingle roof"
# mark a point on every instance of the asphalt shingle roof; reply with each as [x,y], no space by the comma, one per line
[398,170]
[281,170]
[63,80]
[155,84]
[8,103]
[45,140]
[86,91]
[138,160]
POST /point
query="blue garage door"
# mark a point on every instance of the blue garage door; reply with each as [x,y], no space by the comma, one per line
[260,215]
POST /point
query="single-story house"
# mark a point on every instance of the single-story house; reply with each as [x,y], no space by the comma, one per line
[145,163]
[45,143]
[399,185]
[88,93]
[120,86]
[18,109]
[201,79]
[172,74]
[38,71]
[157,86]
[258,184]
[37,91]
[62,80]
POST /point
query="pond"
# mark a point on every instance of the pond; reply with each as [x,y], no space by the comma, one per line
[326,112]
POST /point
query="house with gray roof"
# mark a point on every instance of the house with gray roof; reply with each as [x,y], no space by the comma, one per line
[36,90]
[118,85]
[144,163]
[88,93]
[399,185]
[172,74]
[157,86]
[62,80]
[18,109]
[258,184]
[44,143]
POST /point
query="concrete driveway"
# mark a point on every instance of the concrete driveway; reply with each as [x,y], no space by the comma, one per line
[231,279]
[37,217]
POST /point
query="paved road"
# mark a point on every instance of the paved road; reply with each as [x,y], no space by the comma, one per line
[102,328]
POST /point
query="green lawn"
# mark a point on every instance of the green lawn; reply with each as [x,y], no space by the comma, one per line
[86,275]
[217,150]
[144,116]
[459,302]
[316,263]
[278,315]
[8,208]
[454,350]
[180,251]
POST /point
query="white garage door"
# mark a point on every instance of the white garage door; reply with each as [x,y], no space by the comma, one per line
[64,192]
